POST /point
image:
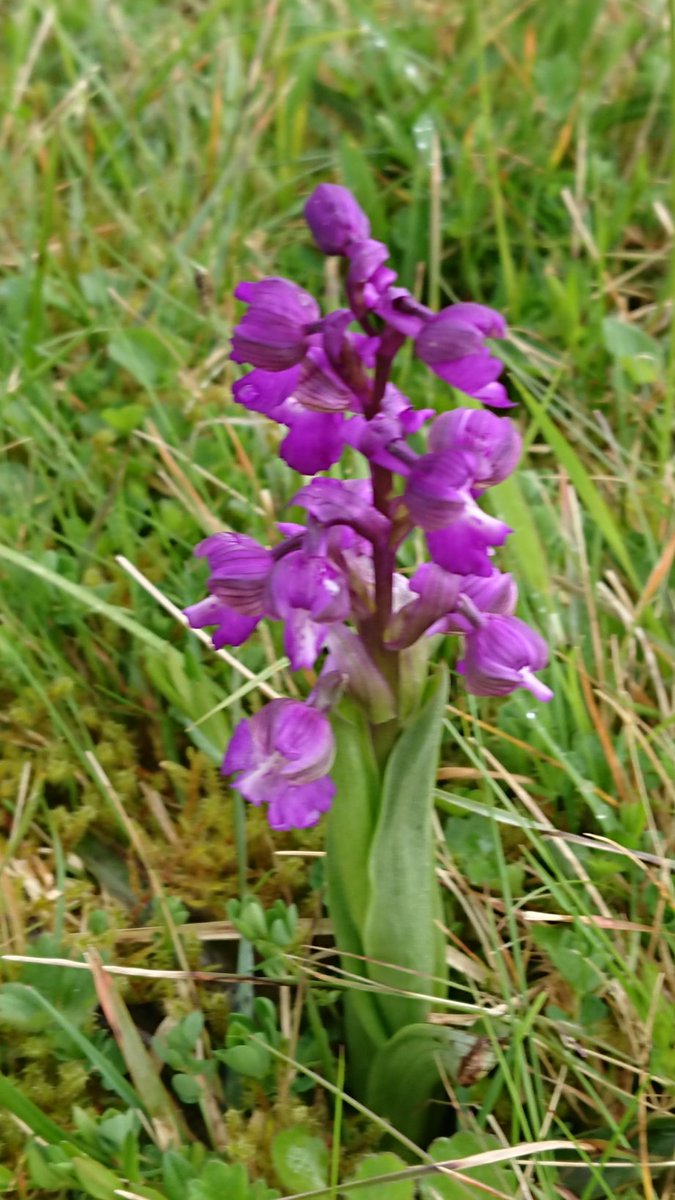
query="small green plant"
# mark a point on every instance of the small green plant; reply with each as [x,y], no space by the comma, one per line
[271,931]
[248,1038]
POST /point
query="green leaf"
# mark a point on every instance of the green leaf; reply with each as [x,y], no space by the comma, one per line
[623,340]
[111,1077]
[405,1078]
[349,833]
[639,355]
[354,812]
[404,902]
[19,1009]
[177,1174]
[187,1088]
[461,1145]
[124,419]
[220,1181]
[471,843]
[578,970]
[252,1060]
[6,1178]
[45,1171]
[300,1159]
[43,1127]
[72,992]
[510,502]
[95,1179]
[373,1167]
[142,353]
[191,1027]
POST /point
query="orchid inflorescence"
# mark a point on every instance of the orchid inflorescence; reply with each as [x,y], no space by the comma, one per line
[333,581]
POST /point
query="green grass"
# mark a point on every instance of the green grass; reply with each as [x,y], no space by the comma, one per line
[150,157]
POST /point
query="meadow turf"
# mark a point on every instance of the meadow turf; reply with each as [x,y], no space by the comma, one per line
[151,156]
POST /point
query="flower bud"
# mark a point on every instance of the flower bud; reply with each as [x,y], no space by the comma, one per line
[336,221]
[439,488]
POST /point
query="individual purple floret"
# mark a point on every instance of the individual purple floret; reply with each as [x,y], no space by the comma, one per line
[348,611]
[502,654]
[452,344]
[467,546]
[436,593]
[382,439]
[495,443]
[308,593]
[275,331]
[281,757]
[309,399]
[493,593]
[350,502]
[239,567]
[315,441]
[439,486]
[337,222]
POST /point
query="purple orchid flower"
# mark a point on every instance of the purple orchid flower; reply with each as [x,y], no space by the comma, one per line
[494,442]
[266,391]
[349,502]
[308,593]
[495,593]
[439,499]
[466,547]
[281,757]
[382,439]
[452,344]
[315,440]
[436,593]
[274,332]
[239,568]
[502,654]
[439,486]
[402,312]
[310,400]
